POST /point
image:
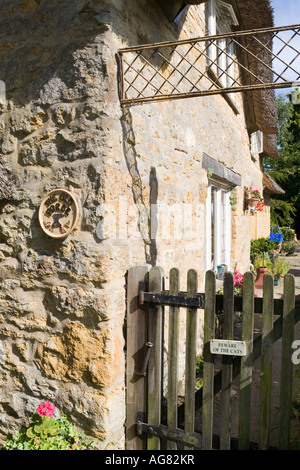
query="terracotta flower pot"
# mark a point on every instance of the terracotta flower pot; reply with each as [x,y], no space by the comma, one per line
[252,202]
[260,277]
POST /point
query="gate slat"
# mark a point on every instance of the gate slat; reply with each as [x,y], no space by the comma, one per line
[266,363]
[227,363]
[137,402]
[155,334]
[286,382]
[246,362]
[208,365]
[173,341]
[190,364]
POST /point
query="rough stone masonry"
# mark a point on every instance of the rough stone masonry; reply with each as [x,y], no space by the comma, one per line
[62,301]
[61,327]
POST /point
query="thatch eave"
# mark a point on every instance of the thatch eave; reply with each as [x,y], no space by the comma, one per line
[270,186]
[257,14]
[270,146]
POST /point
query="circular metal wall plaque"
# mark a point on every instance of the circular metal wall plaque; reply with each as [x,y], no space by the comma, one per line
[58,213]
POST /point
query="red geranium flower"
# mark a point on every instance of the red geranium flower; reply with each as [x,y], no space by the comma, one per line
[45,409]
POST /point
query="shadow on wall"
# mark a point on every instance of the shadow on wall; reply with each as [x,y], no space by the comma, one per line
[43,42]
[148,221]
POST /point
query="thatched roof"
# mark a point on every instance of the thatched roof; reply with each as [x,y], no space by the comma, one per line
[270,145]
[259,14]
[270,186]
[256,13]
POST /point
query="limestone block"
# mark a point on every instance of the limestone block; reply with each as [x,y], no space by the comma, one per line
[81,355]
[79,302]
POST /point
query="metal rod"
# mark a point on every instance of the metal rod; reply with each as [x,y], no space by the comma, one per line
[121,76]
[288,66]
[207,38]
[211,92]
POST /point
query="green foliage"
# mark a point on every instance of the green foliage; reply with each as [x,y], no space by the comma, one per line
[275,229]
[48,433]
[262,261]
[282,212]
[199,371]
[260,246]
[286,169]
[288,234]
[199,364]
[237,290]
[288,247]
[279,266]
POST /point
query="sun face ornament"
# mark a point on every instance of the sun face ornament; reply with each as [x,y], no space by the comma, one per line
[58,213]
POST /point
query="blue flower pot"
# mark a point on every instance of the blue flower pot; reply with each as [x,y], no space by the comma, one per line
[276,237]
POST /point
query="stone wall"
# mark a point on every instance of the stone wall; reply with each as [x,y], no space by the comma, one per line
[260,223]
[62,302]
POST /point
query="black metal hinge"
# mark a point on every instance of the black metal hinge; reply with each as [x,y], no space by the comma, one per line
[164,298]
[177,435]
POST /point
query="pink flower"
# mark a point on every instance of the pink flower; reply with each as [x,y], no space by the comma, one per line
[45,409]
[254,193]
[238,278]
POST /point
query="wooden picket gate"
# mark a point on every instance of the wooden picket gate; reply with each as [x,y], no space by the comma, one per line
[155,420]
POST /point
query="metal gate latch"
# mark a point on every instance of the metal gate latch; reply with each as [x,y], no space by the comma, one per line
[143,372]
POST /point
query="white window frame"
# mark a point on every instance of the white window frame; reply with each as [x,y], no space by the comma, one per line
[219,62]
[256,141]
[220,227]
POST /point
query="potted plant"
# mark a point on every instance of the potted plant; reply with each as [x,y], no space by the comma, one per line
[262,264]
[289,247]
[260,254]
[260,246]
[288,234]
[276,234]
[280,267]
[254,198]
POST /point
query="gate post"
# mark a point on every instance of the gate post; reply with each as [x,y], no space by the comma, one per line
[135,345]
